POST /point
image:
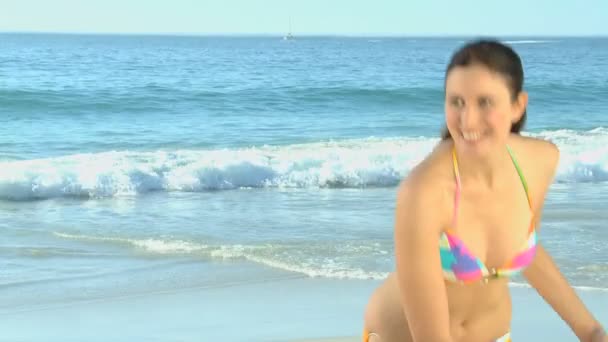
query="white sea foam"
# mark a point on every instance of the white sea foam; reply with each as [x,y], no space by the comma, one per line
[321,260]
[358,163]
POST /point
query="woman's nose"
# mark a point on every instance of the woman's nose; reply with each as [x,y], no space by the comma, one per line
[469,118]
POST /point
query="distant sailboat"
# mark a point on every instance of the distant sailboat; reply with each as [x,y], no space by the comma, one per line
[289,36]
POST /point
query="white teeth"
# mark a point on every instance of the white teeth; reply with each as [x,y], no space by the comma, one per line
[471,136]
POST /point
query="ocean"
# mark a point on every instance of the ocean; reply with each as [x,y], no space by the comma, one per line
[138,164]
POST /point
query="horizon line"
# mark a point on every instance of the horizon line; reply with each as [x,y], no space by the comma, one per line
[304,34]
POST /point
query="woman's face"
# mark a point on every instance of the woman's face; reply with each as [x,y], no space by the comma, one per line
[479,108]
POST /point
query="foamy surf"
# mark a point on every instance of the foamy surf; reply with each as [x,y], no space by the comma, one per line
[356,163]
[319,260]
[528,41]
[579,288]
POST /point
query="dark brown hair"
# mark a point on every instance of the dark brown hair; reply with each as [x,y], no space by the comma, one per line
[497,57]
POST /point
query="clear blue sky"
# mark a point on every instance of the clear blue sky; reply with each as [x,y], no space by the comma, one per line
[340,17]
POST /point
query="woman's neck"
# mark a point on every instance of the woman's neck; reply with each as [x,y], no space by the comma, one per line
[489,170]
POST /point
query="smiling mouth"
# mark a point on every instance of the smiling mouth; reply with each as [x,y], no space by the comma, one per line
[473,137]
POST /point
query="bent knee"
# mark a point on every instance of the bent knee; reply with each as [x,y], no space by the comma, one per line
[377,318]
[384,320]
[372,313]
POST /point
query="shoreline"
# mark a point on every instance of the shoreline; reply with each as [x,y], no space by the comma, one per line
[288,309]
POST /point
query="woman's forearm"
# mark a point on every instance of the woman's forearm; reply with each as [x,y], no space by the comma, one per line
[553,287]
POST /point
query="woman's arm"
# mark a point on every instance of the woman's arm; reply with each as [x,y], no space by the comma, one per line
[421,284]
[544,275]
[551,285]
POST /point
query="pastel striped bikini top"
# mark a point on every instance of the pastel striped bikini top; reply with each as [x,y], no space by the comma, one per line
[460,265]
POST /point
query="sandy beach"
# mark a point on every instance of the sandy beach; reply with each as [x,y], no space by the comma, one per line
[178,188]
[297,309]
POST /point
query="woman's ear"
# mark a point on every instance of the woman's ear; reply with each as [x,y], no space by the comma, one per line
[519,106]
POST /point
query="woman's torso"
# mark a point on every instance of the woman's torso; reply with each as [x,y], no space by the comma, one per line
[494,225]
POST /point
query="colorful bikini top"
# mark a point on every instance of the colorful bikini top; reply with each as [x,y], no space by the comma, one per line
[460,265]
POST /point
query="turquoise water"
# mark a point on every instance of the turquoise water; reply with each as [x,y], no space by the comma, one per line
[121,154]
[63,95]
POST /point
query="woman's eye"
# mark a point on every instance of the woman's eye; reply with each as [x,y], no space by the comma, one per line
[457,102]
[485,102]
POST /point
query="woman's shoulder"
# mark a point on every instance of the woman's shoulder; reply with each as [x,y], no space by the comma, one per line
[431,181]
[537,154]
[434,169]
[538,160]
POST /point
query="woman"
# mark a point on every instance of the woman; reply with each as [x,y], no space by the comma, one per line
[467,217]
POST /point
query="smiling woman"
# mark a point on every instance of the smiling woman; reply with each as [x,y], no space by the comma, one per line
[477,99]
[455,248]
[204,178]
